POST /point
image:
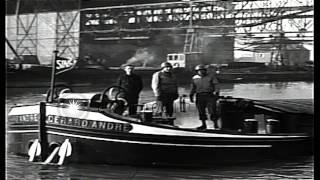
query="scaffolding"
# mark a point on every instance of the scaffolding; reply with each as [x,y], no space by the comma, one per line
[40,33]
[247,21]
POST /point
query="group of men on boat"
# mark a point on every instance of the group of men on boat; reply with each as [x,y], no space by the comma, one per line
[164,84]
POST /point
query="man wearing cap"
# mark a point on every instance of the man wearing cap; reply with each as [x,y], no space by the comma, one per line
[133,85]
[205,86]
[165,87]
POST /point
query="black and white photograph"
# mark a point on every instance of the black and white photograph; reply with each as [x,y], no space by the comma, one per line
[159,89]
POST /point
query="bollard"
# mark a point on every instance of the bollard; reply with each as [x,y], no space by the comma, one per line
[261,123]
[182,101]
[272,126]
[146,115]
[250,126]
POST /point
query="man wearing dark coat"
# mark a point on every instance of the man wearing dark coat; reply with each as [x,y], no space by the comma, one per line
[133,85]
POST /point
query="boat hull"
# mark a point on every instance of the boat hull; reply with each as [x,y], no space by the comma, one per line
[111,151]
[139,149]
[102,137]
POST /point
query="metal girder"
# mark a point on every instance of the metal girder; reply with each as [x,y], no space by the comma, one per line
[65,41]
[279,42]
[280,17]
[161,16]
[27,41]
[12,49]
[193,42]
[165,4]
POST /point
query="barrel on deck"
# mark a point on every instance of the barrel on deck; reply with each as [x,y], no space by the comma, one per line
[231,116]
[146,115]
[250,126]
[272,126]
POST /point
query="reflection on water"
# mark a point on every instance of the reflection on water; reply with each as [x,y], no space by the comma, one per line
[302,168]
[277,90]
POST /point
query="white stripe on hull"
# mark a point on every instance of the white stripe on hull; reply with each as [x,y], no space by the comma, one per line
[148,130]
[155,143]
[23,131]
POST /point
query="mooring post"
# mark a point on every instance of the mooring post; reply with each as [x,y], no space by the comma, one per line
[42,132]
[261,123]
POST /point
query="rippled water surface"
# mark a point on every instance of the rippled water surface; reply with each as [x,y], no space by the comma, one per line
[298,168]
[301,168]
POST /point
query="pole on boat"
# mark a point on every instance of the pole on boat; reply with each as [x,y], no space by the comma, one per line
[42,131]
[53,73]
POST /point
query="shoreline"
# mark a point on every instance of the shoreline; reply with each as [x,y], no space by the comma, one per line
[92,77]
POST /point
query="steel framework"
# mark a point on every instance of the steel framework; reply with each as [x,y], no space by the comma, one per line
[220,18]
[66,42]
[26,33]
[248,21]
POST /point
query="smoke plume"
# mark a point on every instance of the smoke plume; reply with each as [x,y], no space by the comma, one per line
[142,57]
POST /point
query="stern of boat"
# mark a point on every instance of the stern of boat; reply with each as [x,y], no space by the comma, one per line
[22,128]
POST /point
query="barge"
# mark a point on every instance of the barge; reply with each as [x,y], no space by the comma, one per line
[82,128]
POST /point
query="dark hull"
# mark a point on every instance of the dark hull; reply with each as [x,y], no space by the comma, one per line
[87,77]
[20,142]
[138,149]
[141,154]
[103,137]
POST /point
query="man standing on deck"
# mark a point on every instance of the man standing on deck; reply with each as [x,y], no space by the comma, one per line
[205,86]
[165,87]
[133,85]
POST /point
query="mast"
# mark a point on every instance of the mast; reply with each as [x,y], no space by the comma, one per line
[53,73]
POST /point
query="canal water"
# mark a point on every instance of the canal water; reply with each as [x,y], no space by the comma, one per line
[298,168]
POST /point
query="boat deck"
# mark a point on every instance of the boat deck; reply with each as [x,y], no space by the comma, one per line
[295,106]
[190,119]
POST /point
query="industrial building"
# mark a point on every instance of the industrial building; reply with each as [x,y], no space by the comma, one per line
[111,33]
